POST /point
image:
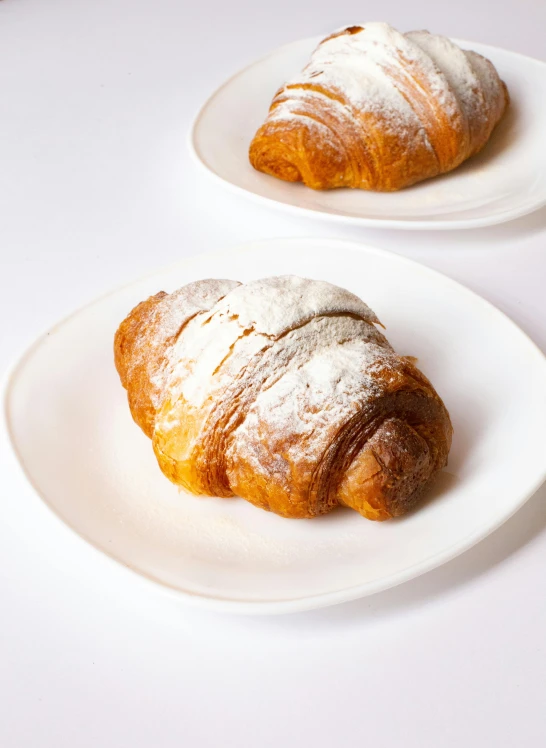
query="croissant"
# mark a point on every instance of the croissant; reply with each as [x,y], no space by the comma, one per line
[380,110]
[282,391]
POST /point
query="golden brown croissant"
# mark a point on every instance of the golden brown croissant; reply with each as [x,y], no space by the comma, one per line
[380,110]
[284,392]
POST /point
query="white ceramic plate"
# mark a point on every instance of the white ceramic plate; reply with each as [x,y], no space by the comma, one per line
[506,180]
[72,431]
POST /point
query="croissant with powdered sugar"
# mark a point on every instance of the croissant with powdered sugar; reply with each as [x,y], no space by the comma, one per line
[282,391]
[379,110]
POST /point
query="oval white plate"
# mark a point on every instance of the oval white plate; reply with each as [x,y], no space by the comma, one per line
[506,180]
[71,428]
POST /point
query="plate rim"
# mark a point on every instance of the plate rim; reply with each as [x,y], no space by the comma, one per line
[379,223]
[286,605]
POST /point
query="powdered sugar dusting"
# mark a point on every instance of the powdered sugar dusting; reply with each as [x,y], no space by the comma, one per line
[217,345]
[360,67]
[290,111]
[475,86]
[306,408]
[175,309]
[407,81]
[490,83]
[453,64]
[170,315]
[281,359]
[274,305]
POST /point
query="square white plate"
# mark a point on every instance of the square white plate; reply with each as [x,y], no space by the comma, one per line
[72,431]
[506,180]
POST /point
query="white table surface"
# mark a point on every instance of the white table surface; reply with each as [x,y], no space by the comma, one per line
[96,187]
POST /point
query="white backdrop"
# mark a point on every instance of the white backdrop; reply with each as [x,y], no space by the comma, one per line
[96,187]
